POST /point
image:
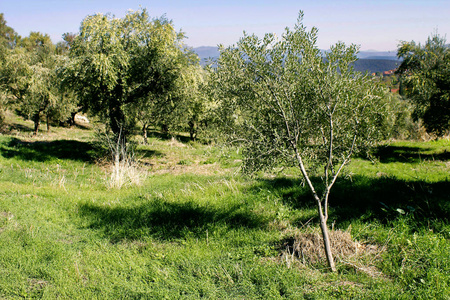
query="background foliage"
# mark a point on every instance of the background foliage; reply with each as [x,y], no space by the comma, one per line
[425,73]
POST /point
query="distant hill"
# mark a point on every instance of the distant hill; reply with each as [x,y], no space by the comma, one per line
[375,65]
[206,52]
[378,55]
[370,61]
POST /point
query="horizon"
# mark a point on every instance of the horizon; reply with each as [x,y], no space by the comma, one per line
[368,50]
[375,26]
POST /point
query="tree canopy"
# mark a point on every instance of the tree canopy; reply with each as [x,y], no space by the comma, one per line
[117,65]
[8,40]
[425,76]
[30,82]
[8,37]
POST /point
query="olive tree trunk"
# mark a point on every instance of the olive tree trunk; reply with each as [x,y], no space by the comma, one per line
[323,216]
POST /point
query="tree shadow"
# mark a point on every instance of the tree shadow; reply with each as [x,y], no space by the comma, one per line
[382,198]
[291,190]
[86,126]
[164,220]
[389,154]
[18,127]
[387,198]
[364,198]
[169,136]
[147,153]
[43,151]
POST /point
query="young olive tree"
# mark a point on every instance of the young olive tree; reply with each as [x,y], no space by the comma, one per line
[287,103]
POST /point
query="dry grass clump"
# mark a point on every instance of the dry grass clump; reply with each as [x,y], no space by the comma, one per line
[175,143]
[37,284]
[6,215]
[307,248]
[4,218]
[125,171]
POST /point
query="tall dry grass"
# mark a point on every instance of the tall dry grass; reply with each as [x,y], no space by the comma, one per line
[125,170]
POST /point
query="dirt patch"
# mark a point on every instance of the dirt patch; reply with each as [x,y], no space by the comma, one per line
[37,284]
[4,218]
[4,215]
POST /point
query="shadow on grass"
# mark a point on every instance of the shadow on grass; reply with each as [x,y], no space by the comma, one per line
[388,154]
[82,126]
[164,220]
[169,136]
[43,151]
[386,198]
[146,153]
[363,198]
[19,127]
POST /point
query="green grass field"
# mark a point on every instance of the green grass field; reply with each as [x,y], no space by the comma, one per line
[196,228]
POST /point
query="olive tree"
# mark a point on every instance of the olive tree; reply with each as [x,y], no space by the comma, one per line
[8,37]
[286,103]
[41,93]
[197,105]
[8,40]
[181,104]
[118,64]
[425,79]
[30,81]
[189,104]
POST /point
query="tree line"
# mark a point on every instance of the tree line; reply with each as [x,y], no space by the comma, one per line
[127,71]
[282,100]
[136,70]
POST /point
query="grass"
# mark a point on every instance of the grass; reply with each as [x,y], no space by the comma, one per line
[196,228]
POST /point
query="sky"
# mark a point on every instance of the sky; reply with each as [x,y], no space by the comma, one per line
[373,24]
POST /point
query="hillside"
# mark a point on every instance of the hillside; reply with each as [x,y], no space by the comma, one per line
[193,227]
[392,55]
[205,52]
[375,65]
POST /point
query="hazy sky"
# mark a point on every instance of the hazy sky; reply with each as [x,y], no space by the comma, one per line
[377,24]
